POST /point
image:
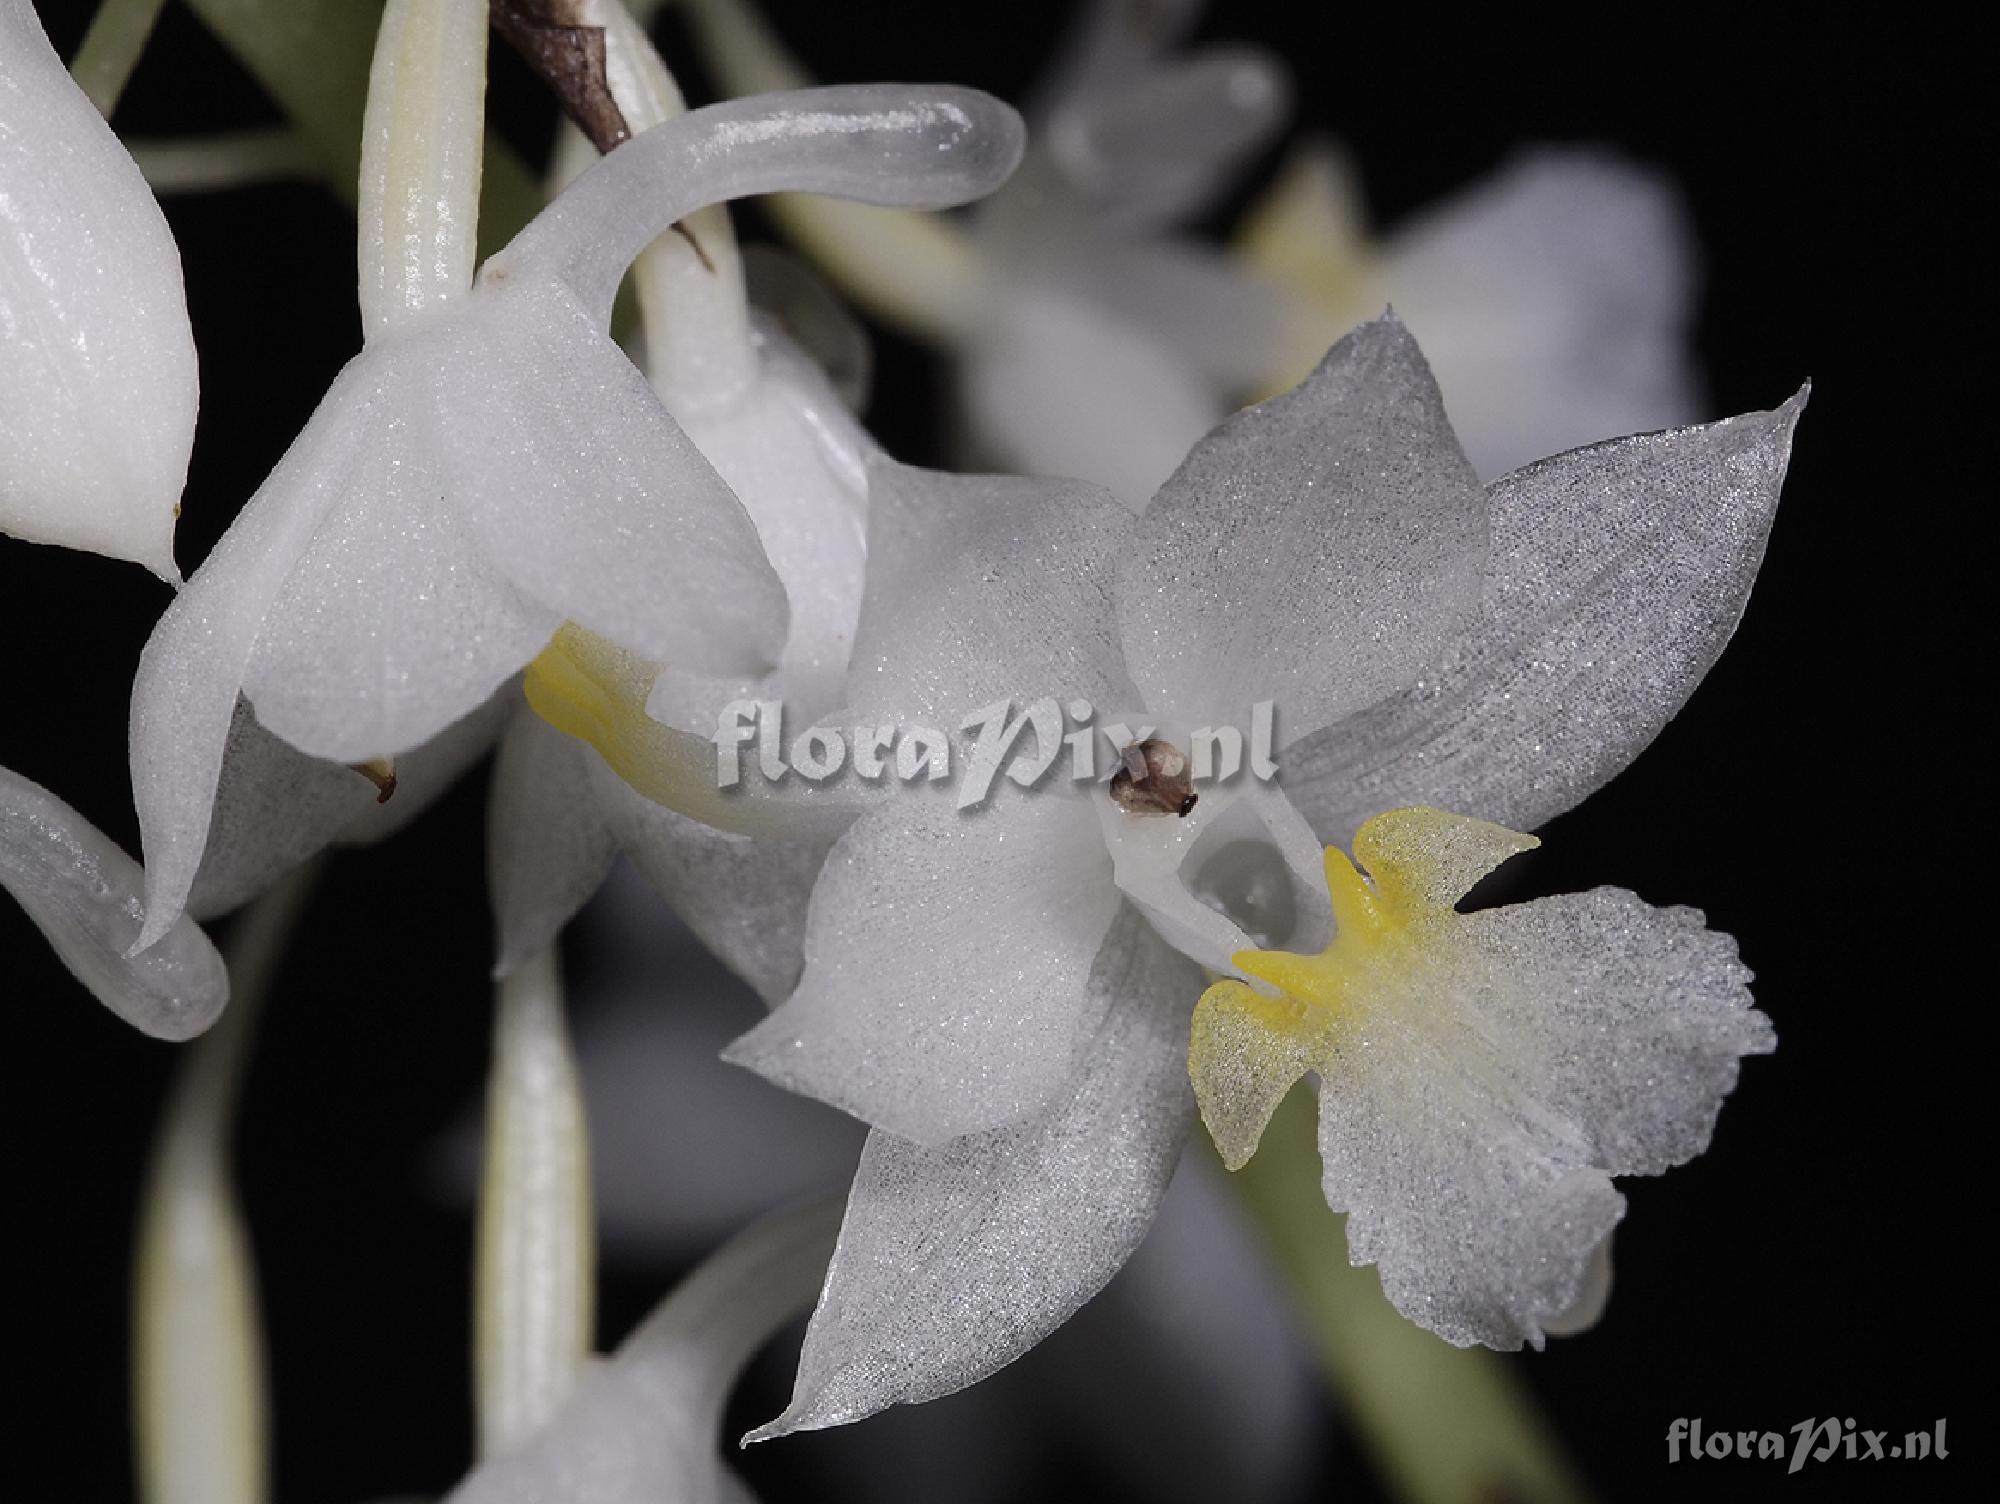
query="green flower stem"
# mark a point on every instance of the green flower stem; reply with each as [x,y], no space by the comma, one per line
[231,159]
[534,1267]
[1444,1425]
[312,58]
[111,49]
[199,1408]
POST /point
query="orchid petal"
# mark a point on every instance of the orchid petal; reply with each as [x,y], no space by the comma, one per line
[97,364]
[1059,385]
[1110,43]
[83,893]
[1553,302]
[948,962]
[1318,550]
[1618,574]
[185,691]
[788,447]
[1161,147]
[955,1260]
[560,815]
[1621,1025]
[1196,300]
[643,1426]
[275,805]
[745,899]
[985,588]
[583,493]
[1482,1075]
[390,623]
[548,844]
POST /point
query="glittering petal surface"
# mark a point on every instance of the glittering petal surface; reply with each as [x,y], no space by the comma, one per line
[1482,1075]
[83,893]
[644,1426]
[1060,385]
[1317,550]
[1554,301]
[97,364]
[985,588]
[391,622]
[744,897]
[193,667]
[795,457]
[1618,574]
[548,845]
[954,1260]
[948,957]
[275,805]
[584,494]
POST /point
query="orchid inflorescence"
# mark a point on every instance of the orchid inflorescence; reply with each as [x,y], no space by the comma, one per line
[496,532]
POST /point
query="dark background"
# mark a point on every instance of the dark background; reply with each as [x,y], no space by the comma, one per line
[1819,1260]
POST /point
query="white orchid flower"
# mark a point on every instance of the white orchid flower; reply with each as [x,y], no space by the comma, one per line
[491,465]
[1093,338]
[97,364]
[84,895]
[1004,994]
[645,1425]
[790,450]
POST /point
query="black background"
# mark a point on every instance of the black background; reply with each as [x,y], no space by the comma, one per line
[1819,1260]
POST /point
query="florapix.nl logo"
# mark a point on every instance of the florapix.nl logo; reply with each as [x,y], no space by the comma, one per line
[1149,770]
[1811,1440]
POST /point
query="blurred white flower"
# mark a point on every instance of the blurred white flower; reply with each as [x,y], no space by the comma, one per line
[491,465]
[1095,338]
[644,1425]
[97,363]
[1004,996]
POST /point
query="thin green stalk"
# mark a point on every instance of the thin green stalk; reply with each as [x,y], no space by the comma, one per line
[199,1408]
[111,49]
[534,1269]
[231,159]
[312,58]
[1444,1425]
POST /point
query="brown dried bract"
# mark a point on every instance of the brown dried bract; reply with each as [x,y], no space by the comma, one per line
[380,771]
[570,58]
[1154,780]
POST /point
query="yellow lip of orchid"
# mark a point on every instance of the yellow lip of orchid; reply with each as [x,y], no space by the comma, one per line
[1249,1046]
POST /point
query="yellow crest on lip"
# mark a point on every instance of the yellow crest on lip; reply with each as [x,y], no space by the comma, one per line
[1248,1047]
[595,691]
